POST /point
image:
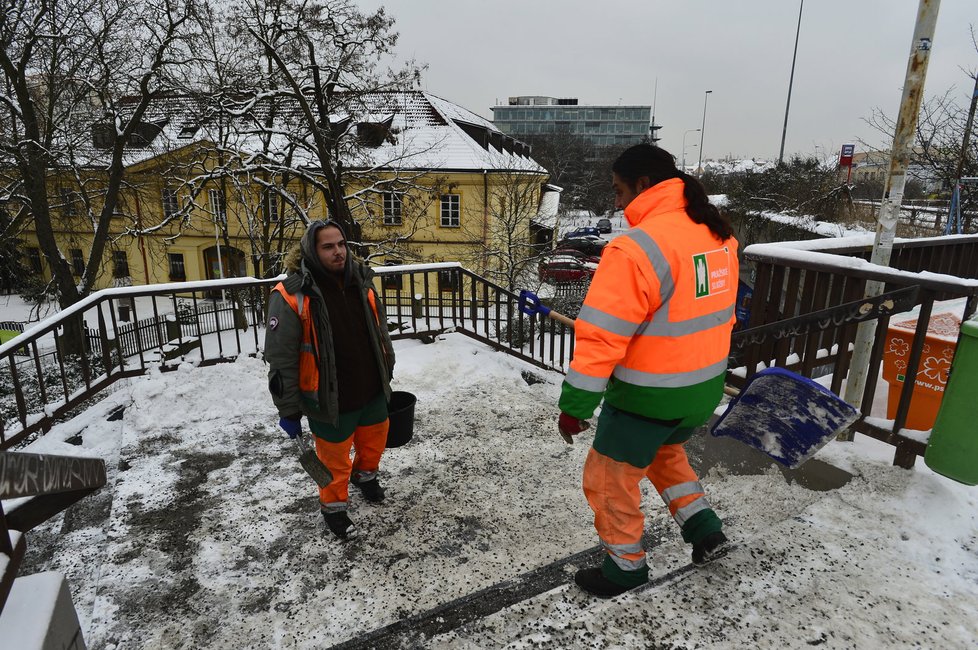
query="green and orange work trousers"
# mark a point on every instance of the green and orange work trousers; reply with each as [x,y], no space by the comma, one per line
[626,449]
[365,432]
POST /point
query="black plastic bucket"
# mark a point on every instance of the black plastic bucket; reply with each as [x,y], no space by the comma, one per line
[400,410]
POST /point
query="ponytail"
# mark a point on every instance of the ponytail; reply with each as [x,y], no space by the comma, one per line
[700,210]
[659,165]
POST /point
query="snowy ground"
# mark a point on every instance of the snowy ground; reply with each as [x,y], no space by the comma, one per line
[208,533]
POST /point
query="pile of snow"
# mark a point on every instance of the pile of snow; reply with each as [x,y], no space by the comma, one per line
[208,533]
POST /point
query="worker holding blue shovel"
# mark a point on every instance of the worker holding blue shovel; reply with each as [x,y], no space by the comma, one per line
[652,340]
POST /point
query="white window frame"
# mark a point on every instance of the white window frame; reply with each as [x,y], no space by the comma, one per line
[218,205]
[170,200]
[393,209]
[271,206]
[451,210]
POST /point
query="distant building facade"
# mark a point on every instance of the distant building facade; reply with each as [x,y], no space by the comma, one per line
[430,182]
[529,115]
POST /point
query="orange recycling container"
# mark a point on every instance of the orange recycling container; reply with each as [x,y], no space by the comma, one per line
[935,362]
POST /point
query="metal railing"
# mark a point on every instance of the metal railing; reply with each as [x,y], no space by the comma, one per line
[807,302]
[68,363]
[54,482]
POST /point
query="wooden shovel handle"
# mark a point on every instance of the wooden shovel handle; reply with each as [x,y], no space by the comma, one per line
[560,318]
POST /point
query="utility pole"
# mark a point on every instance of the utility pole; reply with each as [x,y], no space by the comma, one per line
[913,91]
[791,80]
[699,165]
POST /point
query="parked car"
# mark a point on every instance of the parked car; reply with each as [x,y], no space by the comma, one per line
[590,245]
[581,255]
[603,225]
[587,231]
[564,268]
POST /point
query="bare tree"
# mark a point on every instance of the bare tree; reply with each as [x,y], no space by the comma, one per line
[944,150]
[582,169]
[327,54]
[67,66]
[506,254]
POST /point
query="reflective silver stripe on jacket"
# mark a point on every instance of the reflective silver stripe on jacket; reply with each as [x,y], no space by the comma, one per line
[617,550]
[586,382]
[670,379]
[307,347]
[661,326]
[682,490]
[686,512]
[607,322]
[659,262]
[300,301]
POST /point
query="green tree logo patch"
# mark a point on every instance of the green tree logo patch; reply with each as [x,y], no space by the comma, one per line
[712,272]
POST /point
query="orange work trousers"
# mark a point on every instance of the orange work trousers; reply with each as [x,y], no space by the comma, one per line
[368,443]
[612,491]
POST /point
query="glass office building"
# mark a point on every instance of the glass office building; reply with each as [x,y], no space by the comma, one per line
[601,125]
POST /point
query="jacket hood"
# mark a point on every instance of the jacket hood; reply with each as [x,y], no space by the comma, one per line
[307,257]
[661,197]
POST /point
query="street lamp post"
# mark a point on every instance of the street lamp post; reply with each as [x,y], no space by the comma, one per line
[684,146]
[791,80]
[699,166]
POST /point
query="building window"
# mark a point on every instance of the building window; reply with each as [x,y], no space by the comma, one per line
[451,210]
[34,258]
[77,261]
[67,202]
[120,264]
[448,280]
[218,206]
[271,206]
[170,203]
[393,205]
[177,270]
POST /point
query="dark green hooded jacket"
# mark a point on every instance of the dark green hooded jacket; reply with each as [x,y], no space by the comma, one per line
[283,335]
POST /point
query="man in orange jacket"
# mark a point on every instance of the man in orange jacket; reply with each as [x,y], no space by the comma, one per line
[653,337]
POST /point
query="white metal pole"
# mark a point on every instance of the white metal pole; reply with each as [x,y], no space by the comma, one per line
[913,90]
[216,206]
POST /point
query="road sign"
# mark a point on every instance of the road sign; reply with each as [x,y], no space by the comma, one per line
[845,156]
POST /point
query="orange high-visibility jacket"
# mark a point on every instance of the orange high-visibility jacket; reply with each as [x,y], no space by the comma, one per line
[308,367]
[653,334]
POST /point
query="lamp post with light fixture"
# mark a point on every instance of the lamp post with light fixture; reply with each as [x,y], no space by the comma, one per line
[699,166]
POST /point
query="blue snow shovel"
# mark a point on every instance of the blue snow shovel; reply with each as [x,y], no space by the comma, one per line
[785,415]
[530,305]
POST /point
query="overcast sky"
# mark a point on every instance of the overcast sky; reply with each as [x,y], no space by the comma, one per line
[852,57]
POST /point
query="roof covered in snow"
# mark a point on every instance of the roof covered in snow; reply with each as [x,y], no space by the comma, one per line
[395,130]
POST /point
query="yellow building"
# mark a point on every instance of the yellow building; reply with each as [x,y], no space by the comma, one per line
[426,181]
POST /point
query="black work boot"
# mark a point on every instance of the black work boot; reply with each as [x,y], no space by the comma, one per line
[371,490]
[339,524]
[595,583]
[709,548]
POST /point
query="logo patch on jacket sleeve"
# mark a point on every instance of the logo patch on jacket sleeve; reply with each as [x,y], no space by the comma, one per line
[273,322]
[712,272]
